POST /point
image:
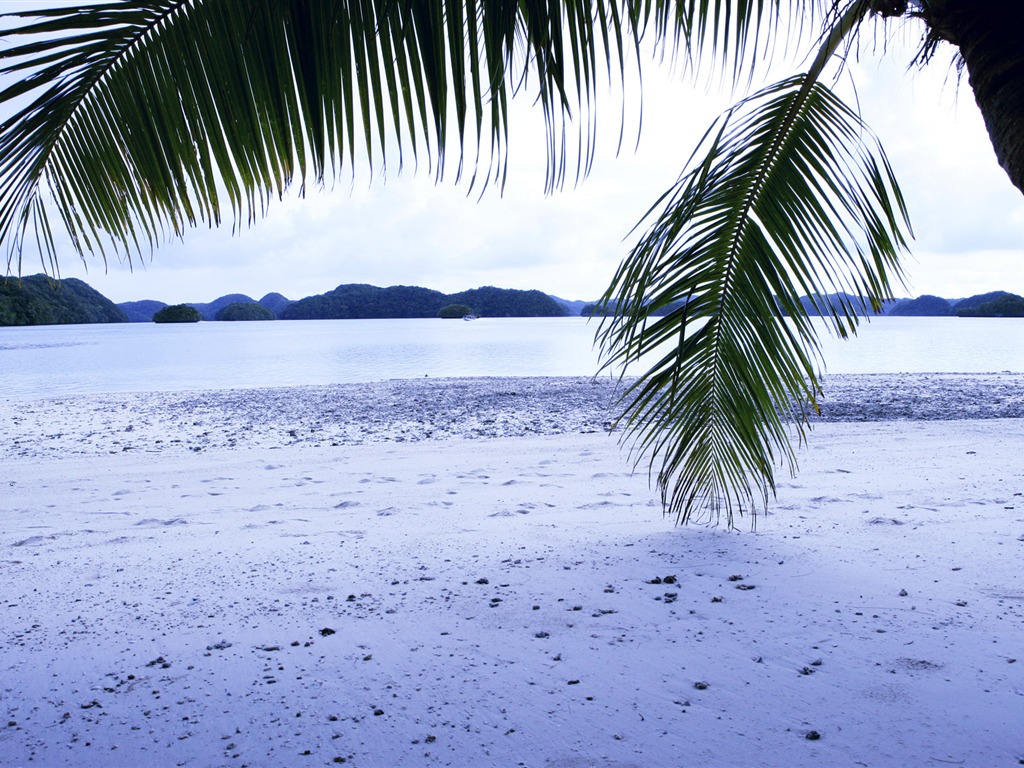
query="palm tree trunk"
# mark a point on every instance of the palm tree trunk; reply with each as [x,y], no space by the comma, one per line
[989,37]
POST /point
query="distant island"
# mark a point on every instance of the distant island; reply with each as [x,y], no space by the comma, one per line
[143,311]
[242,310]
[1004,305]
[40,300]
[356,301]
[993,304]
[177,313]
[359,302]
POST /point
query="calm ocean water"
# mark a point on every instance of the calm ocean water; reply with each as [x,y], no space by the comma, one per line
[45,361]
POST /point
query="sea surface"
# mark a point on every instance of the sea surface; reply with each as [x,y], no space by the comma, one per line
[46,361]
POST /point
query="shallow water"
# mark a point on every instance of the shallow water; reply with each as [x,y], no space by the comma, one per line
[44,361]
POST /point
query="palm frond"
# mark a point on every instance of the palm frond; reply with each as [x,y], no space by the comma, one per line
[788,195]
[134,120]
[738,36]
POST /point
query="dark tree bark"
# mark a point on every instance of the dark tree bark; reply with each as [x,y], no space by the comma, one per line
[990,36]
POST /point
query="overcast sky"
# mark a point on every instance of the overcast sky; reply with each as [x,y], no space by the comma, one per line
[405,229]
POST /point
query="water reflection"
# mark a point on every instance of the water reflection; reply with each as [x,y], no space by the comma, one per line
[58,360]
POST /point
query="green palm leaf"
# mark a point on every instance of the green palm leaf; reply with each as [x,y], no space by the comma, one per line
[135,120]
[790,197]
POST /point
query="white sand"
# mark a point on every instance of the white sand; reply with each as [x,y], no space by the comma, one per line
[168,603]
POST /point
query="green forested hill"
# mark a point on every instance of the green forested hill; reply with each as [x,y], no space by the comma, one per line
[979,300]
[359,301]
[275,302]
[38,300]
[141,311]
[506,302]
[243,311]
[209,310]
[923,306]
[1003,305]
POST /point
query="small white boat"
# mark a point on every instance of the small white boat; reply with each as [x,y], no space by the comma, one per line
[469,317]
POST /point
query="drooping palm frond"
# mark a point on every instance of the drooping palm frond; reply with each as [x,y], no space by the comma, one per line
[132,120]
[135,119]
[788,195]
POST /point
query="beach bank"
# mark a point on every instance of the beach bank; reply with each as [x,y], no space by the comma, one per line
[412,410]
[469,574]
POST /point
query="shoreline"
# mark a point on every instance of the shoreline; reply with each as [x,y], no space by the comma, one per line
[412,410]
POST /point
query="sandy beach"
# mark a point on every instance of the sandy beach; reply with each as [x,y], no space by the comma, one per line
[468,573]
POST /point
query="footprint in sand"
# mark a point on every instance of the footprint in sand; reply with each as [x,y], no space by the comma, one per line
[510,513]
[151,522]
[31,540]
[599,505]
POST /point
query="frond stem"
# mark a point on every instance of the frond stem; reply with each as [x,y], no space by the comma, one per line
[846,24]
